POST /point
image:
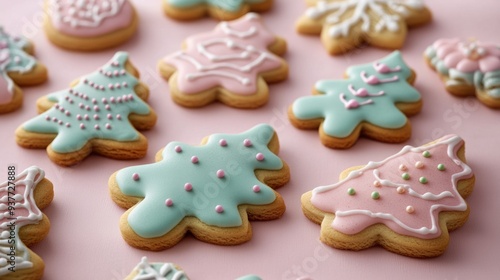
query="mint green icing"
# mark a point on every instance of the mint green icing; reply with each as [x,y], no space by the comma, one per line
[489,81]
[340,121]
[228,5]
[68,114]
[13,58]
[166,179]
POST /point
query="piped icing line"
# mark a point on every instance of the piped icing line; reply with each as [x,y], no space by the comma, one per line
[96,108]
[30,214]
[473,63]
[230,6]
[382,14]
[448,199]
[13,58]
[232,56]
[158,271]
[340,102]
[201,181]
[89,18]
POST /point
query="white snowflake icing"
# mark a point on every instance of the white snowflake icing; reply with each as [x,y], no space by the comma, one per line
[333,11]
[87,13]
[164,271]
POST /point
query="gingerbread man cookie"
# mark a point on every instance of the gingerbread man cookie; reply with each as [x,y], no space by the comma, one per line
[468,68]
[212,190]
[18,67]
[232,64]
[374,101]
[22,223]
[89,25]
[406,203]
[99,113]
[346,24]
[218,9]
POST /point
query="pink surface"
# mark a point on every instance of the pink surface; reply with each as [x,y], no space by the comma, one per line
[85,241]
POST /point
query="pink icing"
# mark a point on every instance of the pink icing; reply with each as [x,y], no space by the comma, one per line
[231,56]
[374,80]
[468,56]
[354,213]
[221,174]
[81,20]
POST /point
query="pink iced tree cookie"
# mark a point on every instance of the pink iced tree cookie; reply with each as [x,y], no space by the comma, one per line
[232,64]
[468,68]
[406,203]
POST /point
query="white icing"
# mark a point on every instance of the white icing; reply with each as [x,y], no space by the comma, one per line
[333,12]
[167,271]
[461,206]
[86,13]
[28,178]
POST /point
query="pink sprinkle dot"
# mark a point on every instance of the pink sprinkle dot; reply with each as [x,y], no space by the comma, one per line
[79,117]
[130,96]
[85,80]
[86,117]
[71,90]
[57,106]
[112,99]
[377,184]
[82,126]
[115,63]
[419,164]
[188,187]
[68,113]
[401,190]
[124,84]
[116,72]
[92,84]
[107,107]
[111,86]
[81,105]
[259,156]
[97,127]
[54,119]
[223,142]
[118,85]
[177,149]
[135,177]
[60,122]
[220,173]
[403,167]
[109,116]
[256,188]
[247,143]
[119,99]
[87,108]
[118,116]
[47,117]
[104,100]
[169,202]
[410,209]
[108,126]
[94,101]
[101,87]
[68,124]
[96,117]
[194,159]
[96,108]
[219,209]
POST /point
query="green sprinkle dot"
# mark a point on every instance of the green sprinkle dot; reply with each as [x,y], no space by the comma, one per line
[406,176]
[423,180]
[351,191]
[441,167]
[426,154]
[375,195]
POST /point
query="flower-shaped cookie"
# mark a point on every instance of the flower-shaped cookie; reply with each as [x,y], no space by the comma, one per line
[468,68]
[212,190]
[219,9]
[22,223]
[232,64]
[99,113]
[345,24]
[374,101]
[17,67]
[406,203]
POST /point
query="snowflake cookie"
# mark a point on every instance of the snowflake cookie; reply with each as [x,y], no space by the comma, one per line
[374,101]
[17,68]
[468,68]
[212,190]
[22,223]
[100,112]
[218,9]
[406,203]
[232,64]
[346,24]
[89,25]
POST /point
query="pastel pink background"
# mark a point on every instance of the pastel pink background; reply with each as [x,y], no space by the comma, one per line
[85,241]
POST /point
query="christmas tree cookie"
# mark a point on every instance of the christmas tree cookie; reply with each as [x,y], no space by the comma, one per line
[218,9]
[18,67]
[232,64]
[373,101]
[22,223]
[212,190]
[89,25]
[468,68]
[406,203]
[99,113]
[346,24]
